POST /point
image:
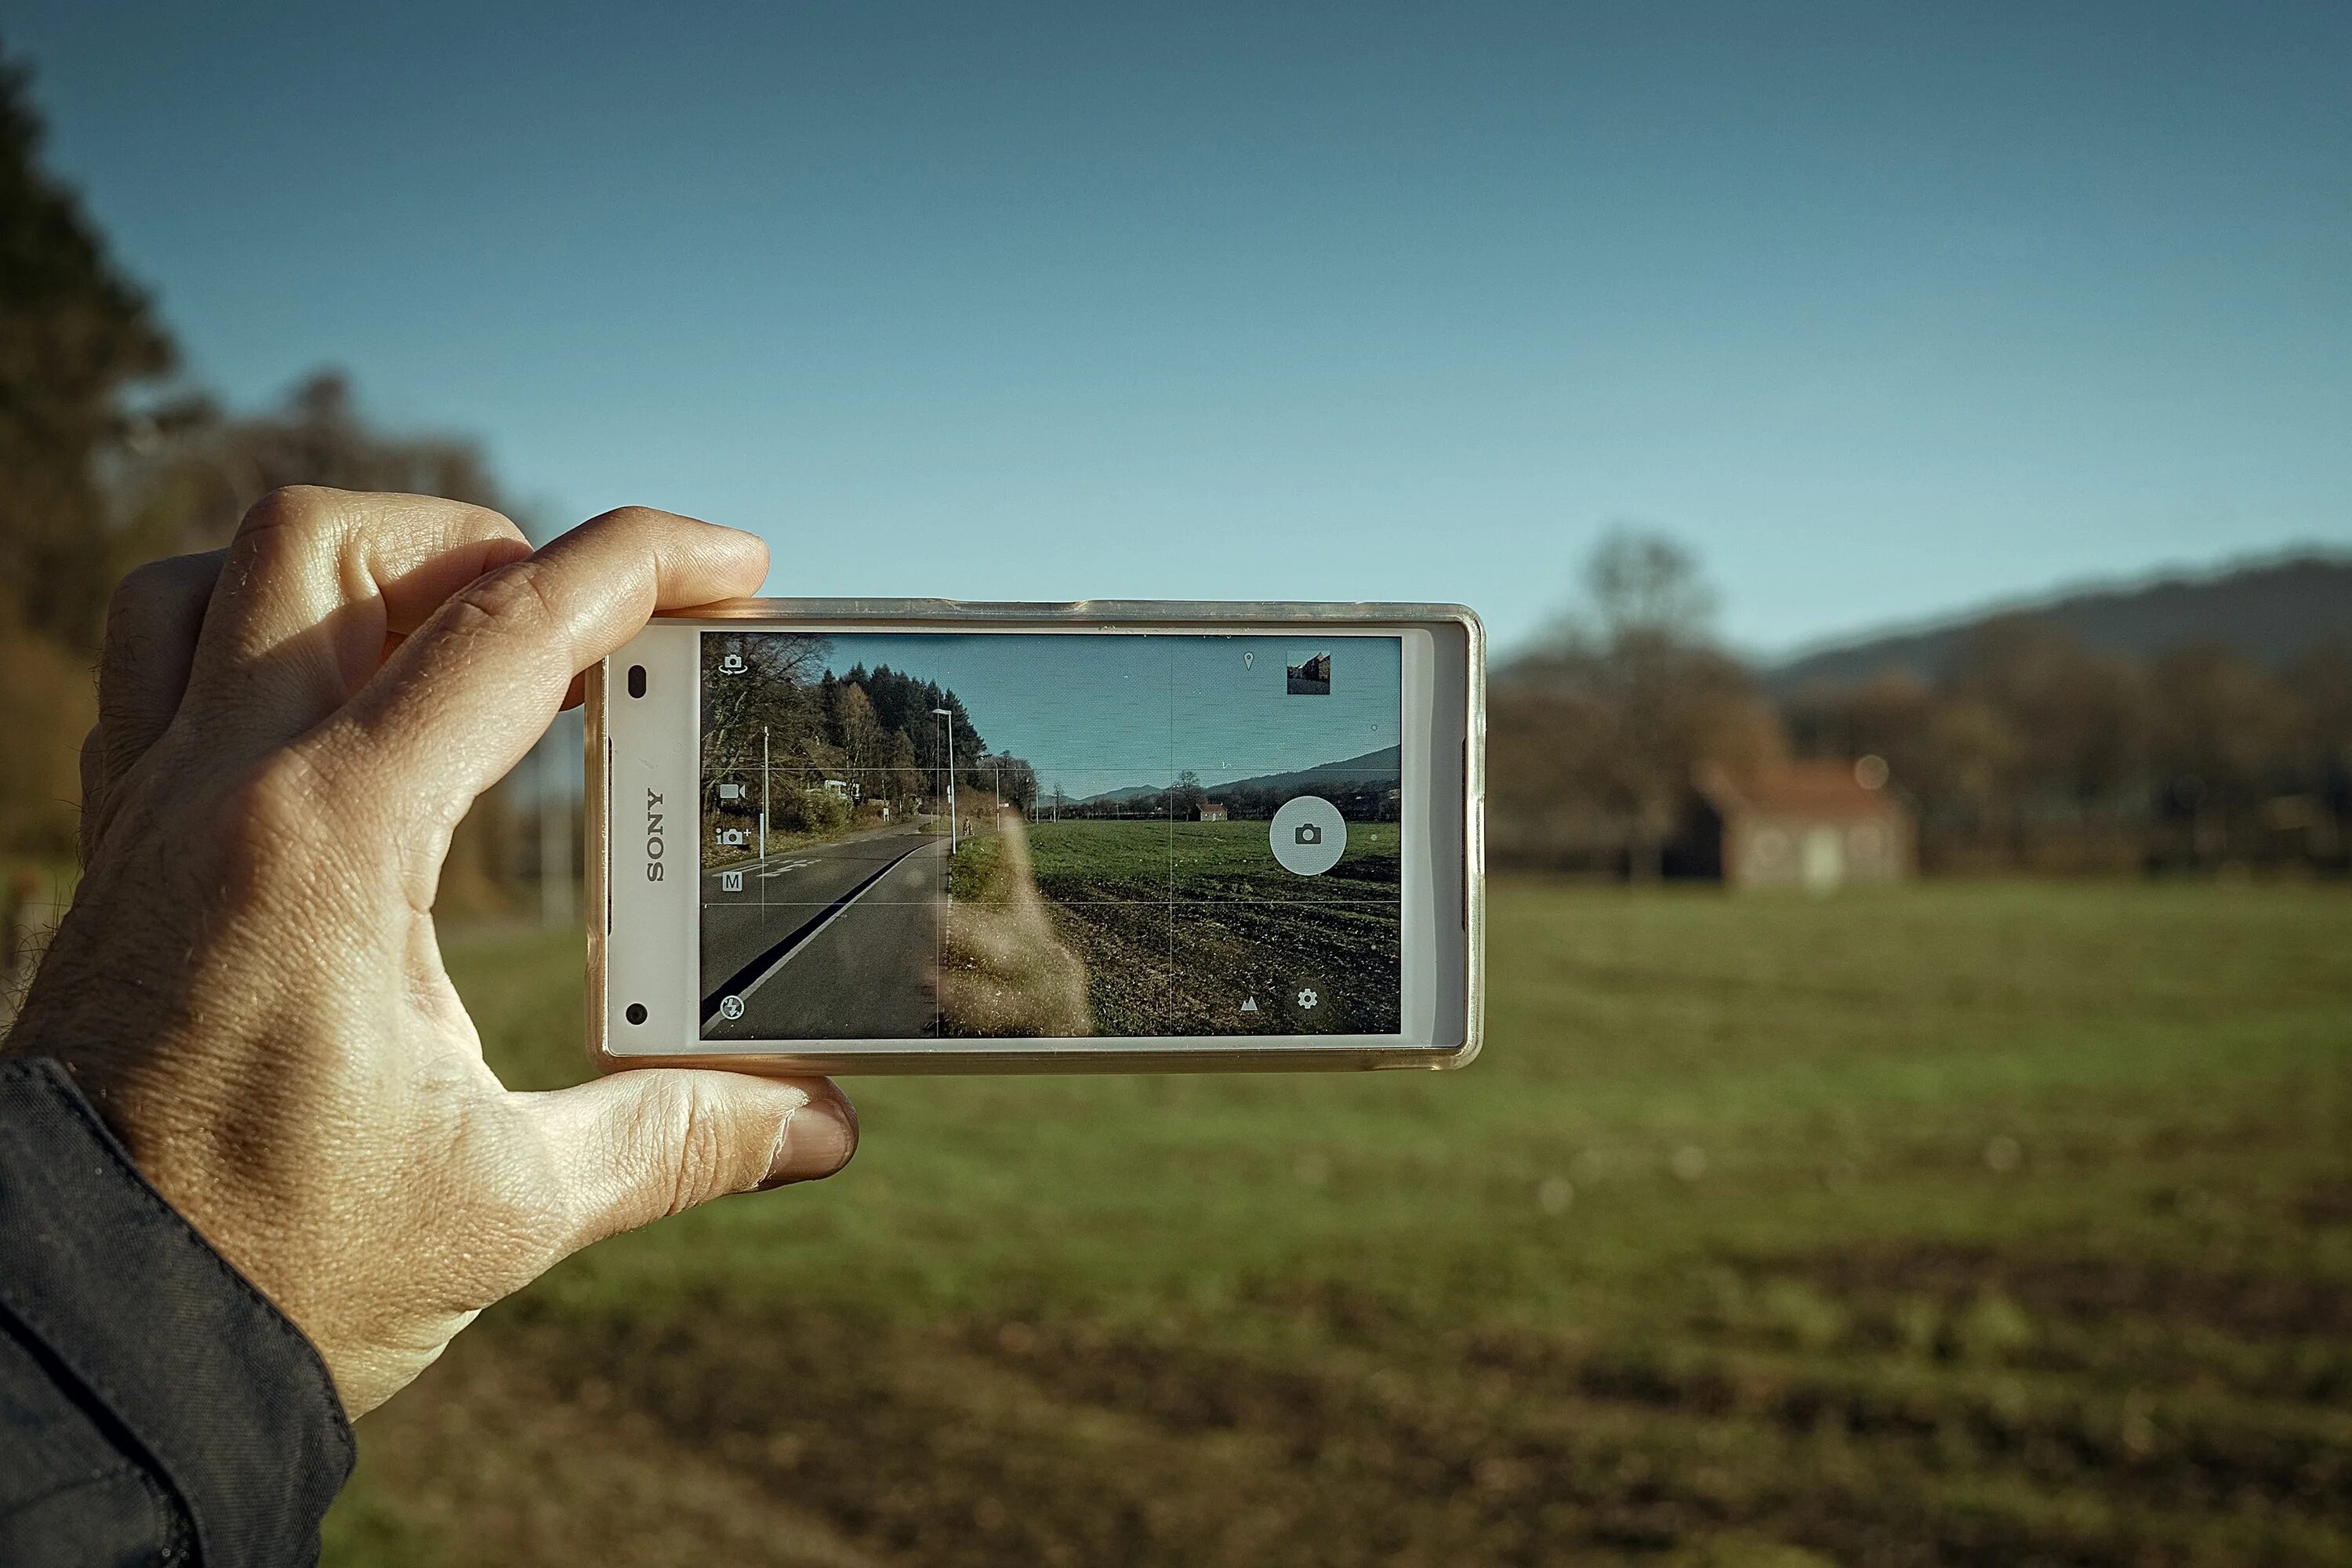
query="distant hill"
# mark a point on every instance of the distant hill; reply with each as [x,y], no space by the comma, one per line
[2269,611]
[1383,766]
[1132,792]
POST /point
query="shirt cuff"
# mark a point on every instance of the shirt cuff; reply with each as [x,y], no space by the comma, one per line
[229,1402]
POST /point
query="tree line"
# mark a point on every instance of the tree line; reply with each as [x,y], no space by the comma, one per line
[1364,801]
[110,457]
[2037,750]
[2033,750]
[877,732]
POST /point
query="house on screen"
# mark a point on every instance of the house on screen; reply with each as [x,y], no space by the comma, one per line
[1817,825]
[1208,811]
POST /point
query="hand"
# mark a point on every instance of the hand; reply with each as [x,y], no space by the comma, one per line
[248,985]
[1004,969]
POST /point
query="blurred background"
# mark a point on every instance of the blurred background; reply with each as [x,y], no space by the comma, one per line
[1901,456]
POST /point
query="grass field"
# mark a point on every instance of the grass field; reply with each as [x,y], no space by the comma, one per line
[1176,921]
[1964,1224]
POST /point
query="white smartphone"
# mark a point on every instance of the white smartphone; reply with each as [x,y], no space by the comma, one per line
[921,836]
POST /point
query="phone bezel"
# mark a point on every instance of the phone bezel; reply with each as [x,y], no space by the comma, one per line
[1457,724]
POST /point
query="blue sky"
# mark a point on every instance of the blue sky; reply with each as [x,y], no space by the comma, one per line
[1884,310]
[1095,714]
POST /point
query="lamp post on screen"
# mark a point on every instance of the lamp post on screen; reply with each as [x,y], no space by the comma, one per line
[947,723]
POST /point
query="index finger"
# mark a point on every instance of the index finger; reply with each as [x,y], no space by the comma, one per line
[459,703]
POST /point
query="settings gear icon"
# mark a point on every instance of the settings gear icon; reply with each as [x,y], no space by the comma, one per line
[1308,998]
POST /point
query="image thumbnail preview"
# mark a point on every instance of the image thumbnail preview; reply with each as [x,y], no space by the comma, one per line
[1038,835]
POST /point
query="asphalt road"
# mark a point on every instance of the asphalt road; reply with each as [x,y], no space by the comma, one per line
[861,969]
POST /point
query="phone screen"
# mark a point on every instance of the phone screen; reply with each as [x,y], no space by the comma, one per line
[1001,834]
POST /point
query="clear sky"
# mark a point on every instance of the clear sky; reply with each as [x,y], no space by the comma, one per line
[1095,714]
[1883,308]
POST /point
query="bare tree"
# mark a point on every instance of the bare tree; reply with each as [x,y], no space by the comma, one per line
[1186,795]
[192,469]
[1642,583]
[1600,733]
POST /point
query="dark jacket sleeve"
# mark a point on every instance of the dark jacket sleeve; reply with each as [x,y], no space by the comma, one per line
[154,1408]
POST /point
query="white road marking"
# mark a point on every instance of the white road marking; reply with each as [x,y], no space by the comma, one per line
[809,938]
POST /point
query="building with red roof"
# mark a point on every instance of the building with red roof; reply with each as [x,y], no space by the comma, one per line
[1816,825]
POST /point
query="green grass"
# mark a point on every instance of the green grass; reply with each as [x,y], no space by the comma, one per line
[1158,858]
[1965,1223]
[1199,860]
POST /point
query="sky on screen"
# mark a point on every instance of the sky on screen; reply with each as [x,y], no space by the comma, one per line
[1095,714]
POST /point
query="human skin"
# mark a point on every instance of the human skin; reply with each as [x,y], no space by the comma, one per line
[248,987]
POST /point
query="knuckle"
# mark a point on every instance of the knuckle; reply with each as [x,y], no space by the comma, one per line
[510,597]
[452,517]
[501,522]
[136,594]
[525,1218]
[641,527]
[290,527]
[633,518]
[294,507]
[696,1133]
[157,593]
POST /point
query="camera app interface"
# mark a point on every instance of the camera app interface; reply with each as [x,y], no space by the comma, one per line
[993,835]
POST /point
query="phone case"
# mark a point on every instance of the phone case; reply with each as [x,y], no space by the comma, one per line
[1167,1053]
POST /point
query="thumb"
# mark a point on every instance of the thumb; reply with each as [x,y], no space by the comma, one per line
[1016,847]
[637,1146]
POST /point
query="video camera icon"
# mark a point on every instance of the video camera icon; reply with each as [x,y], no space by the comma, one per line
[1307,835]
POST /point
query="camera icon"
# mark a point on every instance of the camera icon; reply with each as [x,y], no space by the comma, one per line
[1307,835]
[731,665]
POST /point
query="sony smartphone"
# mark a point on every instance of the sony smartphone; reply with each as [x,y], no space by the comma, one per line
[921,836]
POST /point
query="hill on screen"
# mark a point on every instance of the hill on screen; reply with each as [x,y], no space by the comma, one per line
[1383,766]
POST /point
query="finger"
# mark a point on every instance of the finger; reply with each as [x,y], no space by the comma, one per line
[1015,839]
[151,626]
[313,585]
[636,1146]
[465,697]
